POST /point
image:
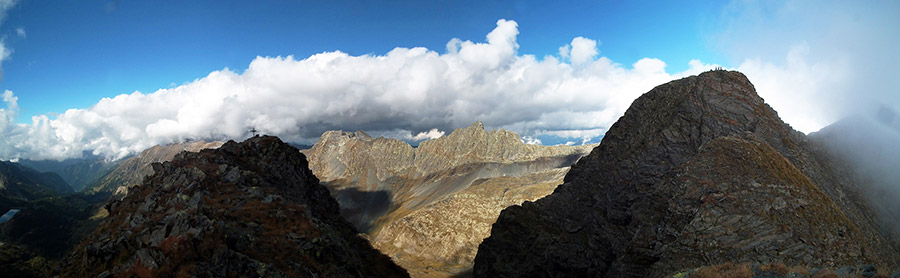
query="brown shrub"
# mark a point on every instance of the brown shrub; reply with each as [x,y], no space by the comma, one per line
[726,270]
[777,268]
[826,274]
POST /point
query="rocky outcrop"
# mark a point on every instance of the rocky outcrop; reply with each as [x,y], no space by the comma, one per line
[699,171]
[429,207]
[250,209]
[132,171]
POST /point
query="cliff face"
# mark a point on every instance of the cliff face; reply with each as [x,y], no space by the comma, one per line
[132,171]
[699,171]
[250,209]
[429,207]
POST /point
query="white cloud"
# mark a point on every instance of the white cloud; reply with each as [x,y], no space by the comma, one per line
[816,67]
[5,5]
[530,140]
[404,92]
[583,50]
[580,51]
[5,51]
[21,32]
[809,66]
[564,51]
[428,135]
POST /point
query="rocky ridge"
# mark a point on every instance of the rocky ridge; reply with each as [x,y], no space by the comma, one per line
[250,209]
[429,207]
[131,171]
[699,171]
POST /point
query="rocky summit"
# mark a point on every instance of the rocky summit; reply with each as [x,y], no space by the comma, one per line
[250,209]
[428,207]
[697,172]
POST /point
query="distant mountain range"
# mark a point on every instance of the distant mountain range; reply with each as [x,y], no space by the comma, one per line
[77,172]
[429,207]
[19,182]
[46,221]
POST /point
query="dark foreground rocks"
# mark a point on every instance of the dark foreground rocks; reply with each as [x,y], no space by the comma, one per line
[250,209]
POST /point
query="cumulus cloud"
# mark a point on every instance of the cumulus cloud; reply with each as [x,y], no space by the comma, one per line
[580,51]
[411,93]
[21,32]
[583,50]
[811,67]
[816,67]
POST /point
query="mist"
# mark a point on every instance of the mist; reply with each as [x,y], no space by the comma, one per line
[869,146]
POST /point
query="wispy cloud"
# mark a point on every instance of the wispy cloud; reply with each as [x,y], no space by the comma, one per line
[5,51]
[406,91]
[21,32]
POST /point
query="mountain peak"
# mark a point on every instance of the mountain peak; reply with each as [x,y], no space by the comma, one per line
[476,125]
[244,209]
[690,157]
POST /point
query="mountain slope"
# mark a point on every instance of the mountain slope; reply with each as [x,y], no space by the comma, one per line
[48,213]
[863,152]
[429,207]
[699,171]
[245,209]
[23,183]
[77,172]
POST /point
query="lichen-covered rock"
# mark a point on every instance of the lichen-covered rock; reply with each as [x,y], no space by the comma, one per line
[699,171]
[250,209]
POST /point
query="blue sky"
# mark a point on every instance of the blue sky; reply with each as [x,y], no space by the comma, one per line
[90,50]
[116,77]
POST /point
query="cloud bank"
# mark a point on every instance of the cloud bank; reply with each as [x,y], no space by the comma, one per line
[411,93]
[816,61]
[813,68]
